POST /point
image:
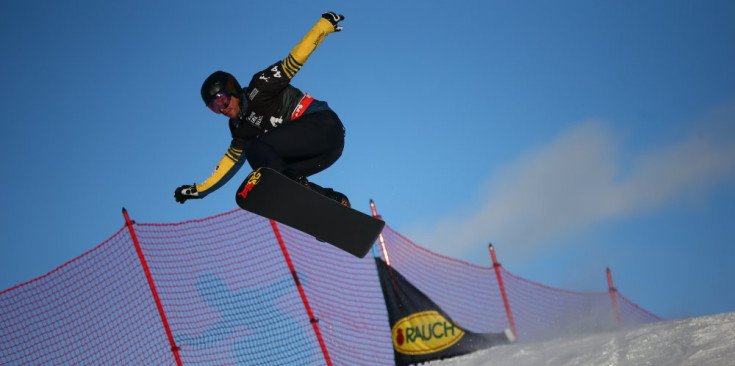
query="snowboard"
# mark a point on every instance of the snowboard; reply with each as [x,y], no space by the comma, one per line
[268,193]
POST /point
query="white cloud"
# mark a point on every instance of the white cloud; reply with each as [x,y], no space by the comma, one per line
[579,180]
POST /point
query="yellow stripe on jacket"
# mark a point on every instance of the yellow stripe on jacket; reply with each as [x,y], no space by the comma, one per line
[227,167]
[313,38]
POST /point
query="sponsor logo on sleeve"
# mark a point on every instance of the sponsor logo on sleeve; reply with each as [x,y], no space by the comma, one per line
[253,93]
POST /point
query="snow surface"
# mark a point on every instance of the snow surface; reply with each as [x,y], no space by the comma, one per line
[702,341]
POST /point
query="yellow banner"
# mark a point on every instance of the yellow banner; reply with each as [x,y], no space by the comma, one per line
[425,332]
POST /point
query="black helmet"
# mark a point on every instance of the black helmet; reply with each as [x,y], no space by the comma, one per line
[217,82]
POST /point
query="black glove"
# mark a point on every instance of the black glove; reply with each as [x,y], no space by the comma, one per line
[184,193]
[334,18]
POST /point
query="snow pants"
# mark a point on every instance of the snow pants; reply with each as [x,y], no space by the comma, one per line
[300,148]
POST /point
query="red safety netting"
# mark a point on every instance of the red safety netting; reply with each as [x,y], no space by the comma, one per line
[468,293]
[542,312]
[228,294]
[631,314]
[344,293]
[96,309]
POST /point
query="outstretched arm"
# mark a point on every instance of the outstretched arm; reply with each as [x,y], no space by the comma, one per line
[328,23]
[227,167]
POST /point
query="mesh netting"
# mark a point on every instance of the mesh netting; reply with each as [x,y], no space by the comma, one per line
[542,312]
[632,314]
[468,293]
[228,293]
[229,297]
[96,309]
[344,293]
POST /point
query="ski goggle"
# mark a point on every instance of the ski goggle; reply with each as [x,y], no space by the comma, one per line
[220,101]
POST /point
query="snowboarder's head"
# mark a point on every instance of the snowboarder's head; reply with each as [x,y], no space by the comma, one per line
[221,93]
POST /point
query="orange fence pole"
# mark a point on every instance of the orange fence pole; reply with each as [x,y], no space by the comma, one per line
[613,295]
[380,236]
[314,321]
[497,266]
[152,286]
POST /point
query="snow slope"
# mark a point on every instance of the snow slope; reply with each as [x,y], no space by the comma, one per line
[702,341]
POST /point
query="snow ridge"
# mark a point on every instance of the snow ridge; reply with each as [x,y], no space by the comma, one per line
[701,341]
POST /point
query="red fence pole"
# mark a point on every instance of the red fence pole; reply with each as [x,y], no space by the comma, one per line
[380,236]
[314,321]
[613,295]
[497,266]
[174,347]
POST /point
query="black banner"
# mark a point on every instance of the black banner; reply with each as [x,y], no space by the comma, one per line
[421,331]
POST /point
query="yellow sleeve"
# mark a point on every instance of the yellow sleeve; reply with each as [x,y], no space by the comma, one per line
[292,64]
[227,167]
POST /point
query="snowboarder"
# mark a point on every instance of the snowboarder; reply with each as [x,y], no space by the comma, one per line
[273,124]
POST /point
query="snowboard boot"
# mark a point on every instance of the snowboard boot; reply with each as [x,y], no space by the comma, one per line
[339,197]
[328,192]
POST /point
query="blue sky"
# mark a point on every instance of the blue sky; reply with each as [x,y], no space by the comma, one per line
[574,135]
